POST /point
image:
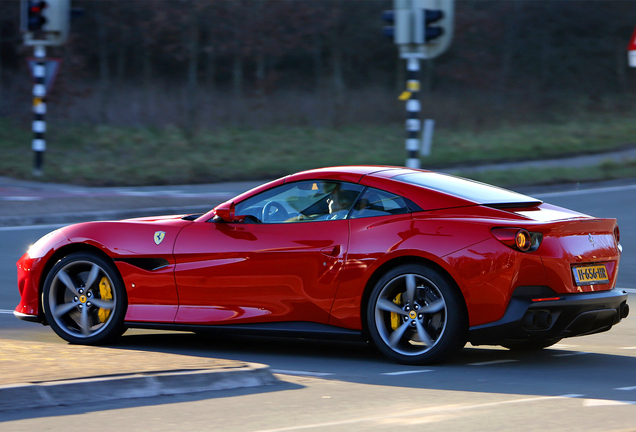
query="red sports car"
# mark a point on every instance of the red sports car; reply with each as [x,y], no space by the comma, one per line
[416,261]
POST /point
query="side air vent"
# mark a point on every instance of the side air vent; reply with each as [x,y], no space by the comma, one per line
[148,264]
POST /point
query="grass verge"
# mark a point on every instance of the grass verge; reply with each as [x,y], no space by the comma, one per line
[109,156]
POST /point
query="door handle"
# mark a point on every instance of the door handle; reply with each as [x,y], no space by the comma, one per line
[332,251]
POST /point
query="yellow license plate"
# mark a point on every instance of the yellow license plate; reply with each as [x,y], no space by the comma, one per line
[590,275]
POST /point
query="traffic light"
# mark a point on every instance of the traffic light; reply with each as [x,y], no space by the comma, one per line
[45,22]
[432,32]
[35,15]
[434,26]
[388,16]
[429,25]
[401,30]
[423,28]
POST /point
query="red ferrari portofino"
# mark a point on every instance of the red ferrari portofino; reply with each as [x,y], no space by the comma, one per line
[417,262]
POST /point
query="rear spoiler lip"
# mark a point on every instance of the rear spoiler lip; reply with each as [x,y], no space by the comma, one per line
[516,205]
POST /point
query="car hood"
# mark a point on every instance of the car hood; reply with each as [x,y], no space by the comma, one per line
[154,219]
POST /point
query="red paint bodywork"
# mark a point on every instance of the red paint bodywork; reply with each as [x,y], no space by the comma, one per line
[220,273]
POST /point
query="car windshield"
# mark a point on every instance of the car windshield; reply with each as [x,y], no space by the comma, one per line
[468,189]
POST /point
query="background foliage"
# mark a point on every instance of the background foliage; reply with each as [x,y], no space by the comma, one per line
[323,63]
[151,68]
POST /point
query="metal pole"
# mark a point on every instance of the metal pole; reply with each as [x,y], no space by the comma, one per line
[427,137]
[412,113]
[39,109]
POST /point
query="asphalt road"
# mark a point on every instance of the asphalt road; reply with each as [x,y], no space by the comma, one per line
[586,383]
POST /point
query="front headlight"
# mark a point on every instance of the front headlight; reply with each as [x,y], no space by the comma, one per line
[40,247]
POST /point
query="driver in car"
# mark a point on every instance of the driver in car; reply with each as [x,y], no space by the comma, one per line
[339,204]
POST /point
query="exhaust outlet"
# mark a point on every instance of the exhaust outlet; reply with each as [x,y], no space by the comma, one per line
[530,320]
[537,320]
[545,319]
[624,310]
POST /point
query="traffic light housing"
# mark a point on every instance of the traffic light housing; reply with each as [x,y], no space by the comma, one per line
[422,28]
[45,22]
[35,15]
[431,30]
[388,16]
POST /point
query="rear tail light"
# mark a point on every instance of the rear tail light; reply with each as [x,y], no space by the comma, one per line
[518,238]
[523,240]
[617,234]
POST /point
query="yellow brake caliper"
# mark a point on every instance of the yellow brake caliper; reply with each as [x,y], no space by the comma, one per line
[395,318]
[106,293]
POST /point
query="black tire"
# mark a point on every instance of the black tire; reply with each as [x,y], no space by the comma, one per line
[533,345]
[85,300]
[416,315]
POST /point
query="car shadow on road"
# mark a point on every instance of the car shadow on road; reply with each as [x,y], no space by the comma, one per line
[556,371]
[559,370]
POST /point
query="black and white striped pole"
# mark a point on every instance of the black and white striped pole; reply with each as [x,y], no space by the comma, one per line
[413,123]
[39,109]
[422,29]
[42,23]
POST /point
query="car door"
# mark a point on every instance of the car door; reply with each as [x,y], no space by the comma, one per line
[281,263]
[380,223]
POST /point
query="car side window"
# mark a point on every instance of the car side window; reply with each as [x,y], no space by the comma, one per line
[304,201]
[376,202]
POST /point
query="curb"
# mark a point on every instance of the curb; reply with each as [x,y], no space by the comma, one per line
[72,392]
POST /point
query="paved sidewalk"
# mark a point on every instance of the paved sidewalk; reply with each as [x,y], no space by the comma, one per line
[35,374]
[45,374]
[582,161]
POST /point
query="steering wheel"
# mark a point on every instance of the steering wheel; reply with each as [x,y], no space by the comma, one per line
[274,211]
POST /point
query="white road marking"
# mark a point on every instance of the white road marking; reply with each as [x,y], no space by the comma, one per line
[406,372]
[418,413]
[630,348]
[31,227]
[492,362]
[604,402]
[293,372]
[571,354]
[626,388]
[20,198]
[171,193]
[4,311]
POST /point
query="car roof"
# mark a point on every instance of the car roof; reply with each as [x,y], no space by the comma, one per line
[428,195]
[444,190]
[348,173]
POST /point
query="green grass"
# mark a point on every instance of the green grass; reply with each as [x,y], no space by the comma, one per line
[104,155]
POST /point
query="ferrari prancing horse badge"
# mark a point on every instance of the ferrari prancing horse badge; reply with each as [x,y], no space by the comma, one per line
[159,236]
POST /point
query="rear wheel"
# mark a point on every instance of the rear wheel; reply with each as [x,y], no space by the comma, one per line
[84,299]
[416,315]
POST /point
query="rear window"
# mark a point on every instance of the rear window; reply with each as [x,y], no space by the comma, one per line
[480,193]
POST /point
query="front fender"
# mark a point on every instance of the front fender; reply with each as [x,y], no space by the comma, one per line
[32,269]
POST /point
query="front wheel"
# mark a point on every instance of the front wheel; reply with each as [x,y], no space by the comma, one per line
[416,315]
[84,299]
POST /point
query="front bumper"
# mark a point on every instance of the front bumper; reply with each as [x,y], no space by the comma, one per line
[563,315]
[26,317]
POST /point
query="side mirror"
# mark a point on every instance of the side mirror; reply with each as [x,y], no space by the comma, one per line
[225,211]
